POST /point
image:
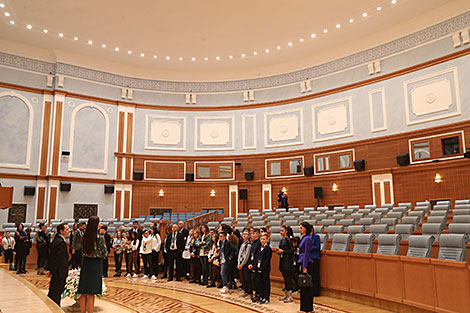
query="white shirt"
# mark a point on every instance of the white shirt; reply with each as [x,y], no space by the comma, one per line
[8,242]
[135,245]
[157,242]
[147,243]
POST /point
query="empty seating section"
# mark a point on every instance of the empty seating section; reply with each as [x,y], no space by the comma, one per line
[388,244]
[420,246]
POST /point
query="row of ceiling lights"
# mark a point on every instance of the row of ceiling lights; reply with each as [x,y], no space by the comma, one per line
[217,58]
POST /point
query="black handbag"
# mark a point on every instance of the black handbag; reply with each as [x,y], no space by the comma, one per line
[305,280]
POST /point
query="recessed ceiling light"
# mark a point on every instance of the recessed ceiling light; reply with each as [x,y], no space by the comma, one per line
[301,40]
[217,58]
[394,1]
[338,25]
[90,42]
[193,59]
[61,35]
[325,30]
[129,52]
[116,49]
[29,26]
[243,55]
[12,22]
[351,20]
[7,14]
[255,53]
[75,38]
[154,56]
[278,47]
[313,35]
[45,31]
[379,8]
[267,50]
[364,14]
[290,44]
[103,46]
[181,59]
[2,5]
[167,57]
[206,58]
[142,54]
[231,57]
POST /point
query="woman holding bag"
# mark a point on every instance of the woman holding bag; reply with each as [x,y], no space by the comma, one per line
[309,258]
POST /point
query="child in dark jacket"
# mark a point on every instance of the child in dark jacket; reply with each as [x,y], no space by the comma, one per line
[264,268]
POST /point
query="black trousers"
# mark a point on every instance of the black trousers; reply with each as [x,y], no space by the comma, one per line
[316,277]
[147,259]
[154,263]
[118,261]
[307,293]
[43,255]
[288,274]
[8,256]
[127,257]
[184,267]
[56,288]
[204,267]
[105,267]
[255,282]
[165,264]
[173,256]
[196,269]
[264,284]
[20,261]
[245,274]
[77,259]
[138,262]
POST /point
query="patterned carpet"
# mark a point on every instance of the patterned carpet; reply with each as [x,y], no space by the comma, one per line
[122,292]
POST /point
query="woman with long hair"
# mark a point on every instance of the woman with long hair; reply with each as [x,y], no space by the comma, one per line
[286,262]
[204,247]
[166,267]
[213,259]
[307,255]
[94,251]
[118,246]
[20,249]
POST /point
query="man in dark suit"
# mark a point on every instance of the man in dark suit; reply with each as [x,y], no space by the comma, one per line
[58,264]
[107,241]
[139,232]
[174,243]
[182,265]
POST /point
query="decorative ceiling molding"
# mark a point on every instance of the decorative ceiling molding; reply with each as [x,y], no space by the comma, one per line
[363,57]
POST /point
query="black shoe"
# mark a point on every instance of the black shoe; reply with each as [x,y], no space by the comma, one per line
[192,281]
[255,299]
[117,275]
[210,286]
[170,279]
[178,279]
[219,286]
[164,276]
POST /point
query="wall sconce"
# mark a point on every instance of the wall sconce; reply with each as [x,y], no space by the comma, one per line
[334,188]
[284,190]
[438,178]
[212,193]
[161,193]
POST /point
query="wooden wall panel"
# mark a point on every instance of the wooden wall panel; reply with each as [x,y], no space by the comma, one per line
[117,205]
[46,128]
[164,170]
[41,202]
[52,202]
[233,200]
[127,204]
[121,132]
[57,136]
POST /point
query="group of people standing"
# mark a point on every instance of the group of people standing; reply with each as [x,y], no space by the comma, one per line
[17,248]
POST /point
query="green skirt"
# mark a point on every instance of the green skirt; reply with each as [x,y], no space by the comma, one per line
[91,275]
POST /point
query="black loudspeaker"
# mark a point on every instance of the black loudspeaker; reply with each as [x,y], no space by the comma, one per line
[318,192]
[249,175]
[65,153]
[108,188]
[359,165]
[403,159]
[243,194]
[29,190]
[189,176]
[467,154]
[65,186]
[308,170]
[238,163]
[138,175]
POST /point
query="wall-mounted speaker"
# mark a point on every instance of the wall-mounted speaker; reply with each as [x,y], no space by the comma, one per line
[29,190]
[65,186]
[467,154]
[108,188]
[403,159]
[359,165]
[238,163]
[249,175]
[138,175]
[243,194]
[308,170]
[318,192]
[65,153]
[189,176]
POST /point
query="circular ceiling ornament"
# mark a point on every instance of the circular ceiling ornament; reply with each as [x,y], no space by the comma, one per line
[110,110]
[34,99]
[165,133]
[431,97]
[332,120]
[284,129]
[214,134]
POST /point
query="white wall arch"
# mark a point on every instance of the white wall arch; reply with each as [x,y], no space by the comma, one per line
[26,164]
[71,166]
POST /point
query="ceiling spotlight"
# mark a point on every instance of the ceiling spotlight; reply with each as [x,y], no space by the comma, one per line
[364,14]
[243,55]
[394,1]
[75,38]
[116,49]
[12,22]
[2,5]
[351,20]
[267,50]
[181,59]
[231,57]
[90,42]
[206,58]
[325,30]
[7,14]
[217,58]
[338,25]
[45,31]
[129,52]
[301,40]
[103,46]
[167,57]
[154,56]
[379,8]
[29,26]
[193,59]
[313,35]
[255,53]
[278,47]
[142,54]
[290,44]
